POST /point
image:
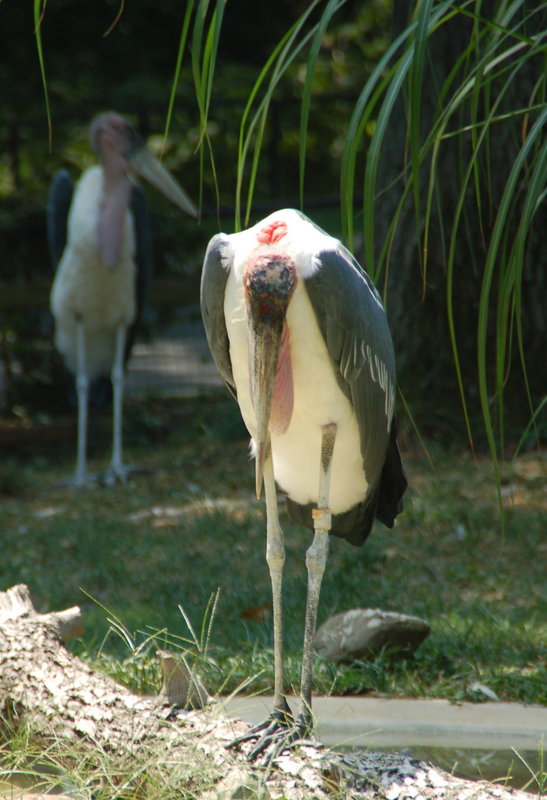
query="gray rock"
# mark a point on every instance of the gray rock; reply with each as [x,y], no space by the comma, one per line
[365,632]
[181,687]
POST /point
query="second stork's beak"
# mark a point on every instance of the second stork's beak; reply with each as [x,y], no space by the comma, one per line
[148,167]
[266,342]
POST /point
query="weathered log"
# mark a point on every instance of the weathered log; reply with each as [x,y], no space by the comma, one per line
[75,709]
[16,603]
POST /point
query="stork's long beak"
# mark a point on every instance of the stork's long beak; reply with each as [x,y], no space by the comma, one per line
[148,166]
[269,282]
[266,342]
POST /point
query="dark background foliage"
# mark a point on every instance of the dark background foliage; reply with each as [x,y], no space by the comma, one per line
[104,55]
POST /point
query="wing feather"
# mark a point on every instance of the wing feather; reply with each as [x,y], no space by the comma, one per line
[58,206]
[216,266]
[144,258]
[354,326]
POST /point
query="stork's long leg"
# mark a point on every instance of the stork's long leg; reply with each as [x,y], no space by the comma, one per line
[117,376]
[281,731]
[316,559]
[82,391]
[118,471]
[275,557]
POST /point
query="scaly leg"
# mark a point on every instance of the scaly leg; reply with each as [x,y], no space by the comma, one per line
[282,731]
[82,389]
[275,557]
[316,559]
[118,470]
[117,400]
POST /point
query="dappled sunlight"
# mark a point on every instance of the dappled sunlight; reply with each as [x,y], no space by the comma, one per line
[192,525]
[162,516]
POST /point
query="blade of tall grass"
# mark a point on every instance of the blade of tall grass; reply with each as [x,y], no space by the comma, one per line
[331,8]
[394,88]
[39,8]
[178,66]
[502,216]
[283,55]
[531,424]
[203,69]
[481,136]
[433,143]
[415,81]
[362,112]
[509,304]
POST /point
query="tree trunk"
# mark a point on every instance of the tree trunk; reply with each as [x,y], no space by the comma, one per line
[86,721]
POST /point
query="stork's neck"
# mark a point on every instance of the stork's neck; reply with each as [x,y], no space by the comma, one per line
[116,191]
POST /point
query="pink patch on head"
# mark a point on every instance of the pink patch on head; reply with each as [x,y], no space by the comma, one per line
[272,232]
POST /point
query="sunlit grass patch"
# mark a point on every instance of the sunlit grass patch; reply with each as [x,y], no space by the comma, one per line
[191,526]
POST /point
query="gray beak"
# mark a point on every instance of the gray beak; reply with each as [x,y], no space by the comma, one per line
[148,167]
[266,341]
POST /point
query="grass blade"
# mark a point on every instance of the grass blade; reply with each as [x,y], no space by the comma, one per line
[39,9]
[178,66]
[331,8]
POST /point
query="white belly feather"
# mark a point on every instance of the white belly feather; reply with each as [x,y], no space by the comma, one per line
[84,288]
[318,400]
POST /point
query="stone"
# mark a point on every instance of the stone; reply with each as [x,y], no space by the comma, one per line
[362,633]
[181,687]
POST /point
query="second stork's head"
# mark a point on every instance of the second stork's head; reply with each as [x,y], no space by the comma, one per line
[269,281]
[121,149]
[123,153]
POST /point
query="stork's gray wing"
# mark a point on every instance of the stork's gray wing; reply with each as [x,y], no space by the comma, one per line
[58,206]
[144,260]
[216,266]
[353,323]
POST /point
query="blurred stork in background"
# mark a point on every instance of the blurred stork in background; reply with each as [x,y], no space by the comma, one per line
[100,243]
[300,336]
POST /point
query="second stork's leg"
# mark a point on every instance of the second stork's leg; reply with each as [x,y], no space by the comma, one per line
[82,391]
[117,469]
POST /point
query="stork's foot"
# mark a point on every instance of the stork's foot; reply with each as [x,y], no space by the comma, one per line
[276,734]
[121,473]
[79,481]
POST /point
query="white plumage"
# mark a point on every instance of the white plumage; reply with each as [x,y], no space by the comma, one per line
[86,289]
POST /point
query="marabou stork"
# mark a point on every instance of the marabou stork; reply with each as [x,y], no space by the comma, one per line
[300,337]
[100,242]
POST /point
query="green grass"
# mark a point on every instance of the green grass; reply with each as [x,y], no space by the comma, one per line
[132,556]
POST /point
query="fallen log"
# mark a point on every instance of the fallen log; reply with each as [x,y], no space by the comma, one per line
[104,735]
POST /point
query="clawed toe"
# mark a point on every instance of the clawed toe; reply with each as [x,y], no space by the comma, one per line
[276,734]
[274,742]
[121,474]
[85,481]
